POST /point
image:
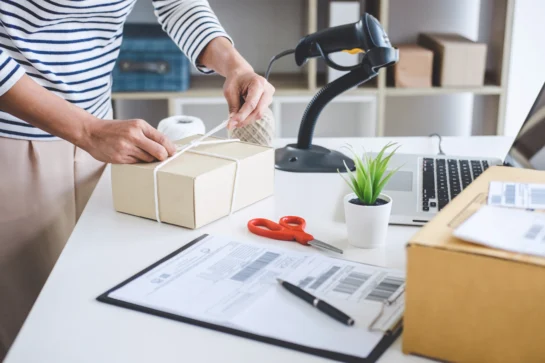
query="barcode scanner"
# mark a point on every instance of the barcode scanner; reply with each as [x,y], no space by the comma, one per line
[359,37]
[365,36]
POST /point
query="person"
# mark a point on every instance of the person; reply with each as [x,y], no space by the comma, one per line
[56,127]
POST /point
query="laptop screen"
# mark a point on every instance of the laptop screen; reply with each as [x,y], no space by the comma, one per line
[528,150]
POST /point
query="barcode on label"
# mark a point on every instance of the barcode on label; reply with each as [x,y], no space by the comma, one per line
[510,194]
[385,289]
[495,200]
[307,280]
[351,283]
[255,266]
[537,196]
[323,278]
[533,231]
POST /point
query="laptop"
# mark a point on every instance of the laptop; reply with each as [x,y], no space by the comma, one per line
[425,184]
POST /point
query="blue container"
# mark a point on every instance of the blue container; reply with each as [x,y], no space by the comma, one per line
[150,61]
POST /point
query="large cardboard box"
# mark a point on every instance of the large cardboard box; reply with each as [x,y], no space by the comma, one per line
[414,68]
[196,189]
[470,303]
[458,61]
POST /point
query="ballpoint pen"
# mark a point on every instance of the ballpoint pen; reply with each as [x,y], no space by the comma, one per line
[317,303]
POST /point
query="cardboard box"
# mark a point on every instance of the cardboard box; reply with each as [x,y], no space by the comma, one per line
[194,189]
[470,303]
[458,61]
[414,68]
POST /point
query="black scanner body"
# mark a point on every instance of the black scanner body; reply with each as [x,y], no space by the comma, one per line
[365,34]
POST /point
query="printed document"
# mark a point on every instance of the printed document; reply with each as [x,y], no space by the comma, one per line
[233,284]
[509,229]
[517,195]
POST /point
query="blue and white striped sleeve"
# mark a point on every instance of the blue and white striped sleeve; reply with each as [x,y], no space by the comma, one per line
[10,72]
[191,24]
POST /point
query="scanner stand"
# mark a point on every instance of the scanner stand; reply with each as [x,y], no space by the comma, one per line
[304,157]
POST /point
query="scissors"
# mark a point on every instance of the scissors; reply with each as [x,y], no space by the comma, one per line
[290,228]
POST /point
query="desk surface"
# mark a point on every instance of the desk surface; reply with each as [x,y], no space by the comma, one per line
[68,325]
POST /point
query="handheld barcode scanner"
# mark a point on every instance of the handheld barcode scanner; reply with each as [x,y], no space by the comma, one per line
[365,36]
[359,37]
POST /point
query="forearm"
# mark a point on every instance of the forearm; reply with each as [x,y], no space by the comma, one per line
[123,141]
[31,102]
[195,28]
[221,56]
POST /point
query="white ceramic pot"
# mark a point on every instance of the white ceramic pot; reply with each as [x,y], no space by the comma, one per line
[367,225]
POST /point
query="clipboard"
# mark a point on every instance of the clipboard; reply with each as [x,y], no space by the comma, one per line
[389,337]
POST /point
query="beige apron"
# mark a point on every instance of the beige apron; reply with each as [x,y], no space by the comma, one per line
[44,186]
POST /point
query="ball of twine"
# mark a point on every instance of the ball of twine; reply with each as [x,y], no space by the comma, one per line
[180,127]
[260,132]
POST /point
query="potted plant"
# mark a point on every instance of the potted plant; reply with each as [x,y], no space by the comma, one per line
[367,210]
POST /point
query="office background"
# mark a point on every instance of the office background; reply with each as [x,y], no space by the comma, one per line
[262,28]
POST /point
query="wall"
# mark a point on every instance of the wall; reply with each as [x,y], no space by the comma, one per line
[527,73]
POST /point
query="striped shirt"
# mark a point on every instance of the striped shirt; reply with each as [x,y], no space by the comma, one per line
[70,47]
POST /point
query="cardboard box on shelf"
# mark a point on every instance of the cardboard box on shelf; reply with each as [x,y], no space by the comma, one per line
[458,61]
[470,303]
[414,68]
[194,189]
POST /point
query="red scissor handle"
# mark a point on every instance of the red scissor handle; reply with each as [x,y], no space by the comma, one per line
[293,222]
[285,231]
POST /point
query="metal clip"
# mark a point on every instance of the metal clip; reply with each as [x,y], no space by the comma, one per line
[388,302]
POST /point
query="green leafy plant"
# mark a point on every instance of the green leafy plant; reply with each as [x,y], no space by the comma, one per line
[371,174]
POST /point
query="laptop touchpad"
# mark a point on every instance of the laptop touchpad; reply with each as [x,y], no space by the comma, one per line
[401,181]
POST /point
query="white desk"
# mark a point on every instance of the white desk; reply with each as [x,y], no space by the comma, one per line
[67,324]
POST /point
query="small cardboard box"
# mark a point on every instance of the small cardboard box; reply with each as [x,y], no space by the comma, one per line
[458,61]
[415,67]
[469,303]
[195,189]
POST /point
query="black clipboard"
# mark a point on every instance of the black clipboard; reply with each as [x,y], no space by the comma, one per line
[385,342]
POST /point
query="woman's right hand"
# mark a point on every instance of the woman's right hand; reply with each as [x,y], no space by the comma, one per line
[125,141]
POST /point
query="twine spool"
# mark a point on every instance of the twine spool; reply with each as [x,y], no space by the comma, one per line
[179,127]
[260,132]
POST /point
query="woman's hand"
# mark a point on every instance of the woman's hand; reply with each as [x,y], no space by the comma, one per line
[247,93]
[125,142]
[248,96]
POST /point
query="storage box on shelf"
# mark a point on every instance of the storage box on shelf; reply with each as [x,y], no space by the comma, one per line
[457,61]
[414,69]
[149,61]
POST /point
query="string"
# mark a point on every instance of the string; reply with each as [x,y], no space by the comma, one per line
[186,148]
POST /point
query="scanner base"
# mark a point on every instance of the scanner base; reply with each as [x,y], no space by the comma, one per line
[316,159]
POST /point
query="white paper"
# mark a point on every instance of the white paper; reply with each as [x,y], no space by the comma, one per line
[234,284]
[506,228]
[517,195]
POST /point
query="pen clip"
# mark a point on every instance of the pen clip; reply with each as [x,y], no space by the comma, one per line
[387,302]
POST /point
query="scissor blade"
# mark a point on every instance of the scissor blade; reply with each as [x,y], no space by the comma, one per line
[325,246]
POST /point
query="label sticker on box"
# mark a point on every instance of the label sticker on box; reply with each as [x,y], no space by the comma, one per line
[516,195]
[509,229]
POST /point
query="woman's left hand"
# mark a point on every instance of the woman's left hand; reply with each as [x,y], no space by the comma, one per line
[248,96]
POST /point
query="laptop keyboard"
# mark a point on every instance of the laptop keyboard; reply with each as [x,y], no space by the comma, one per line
[444,179]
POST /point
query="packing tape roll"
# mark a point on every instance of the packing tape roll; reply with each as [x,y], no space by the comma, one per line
[179,127]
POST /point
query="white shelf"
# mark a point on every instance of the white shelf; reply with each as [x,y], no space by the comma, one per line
[483,90]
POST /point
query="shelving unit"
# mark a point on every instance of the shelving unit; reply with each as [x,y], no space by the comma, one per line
[493,26]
